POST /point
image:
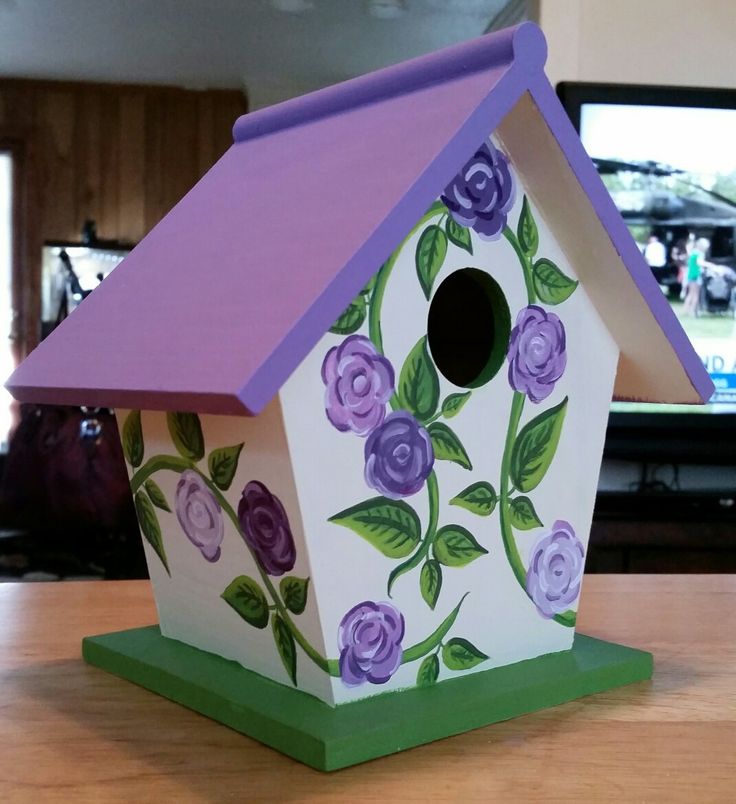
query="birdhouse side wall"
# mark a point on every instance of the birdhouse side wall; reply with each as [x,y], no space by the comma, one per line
[447,515]
[223,537]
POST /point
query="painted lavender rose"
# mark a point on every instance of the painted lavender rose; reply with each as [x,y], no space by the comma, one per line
[398,456]
[482,194]
[266,529]
[555,570]
[369,639]
[199,514]
[359,383]
[537,356]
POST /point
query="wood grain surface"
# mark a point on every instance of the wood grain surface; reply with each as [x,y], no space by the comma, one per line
[69,732]
[119,154]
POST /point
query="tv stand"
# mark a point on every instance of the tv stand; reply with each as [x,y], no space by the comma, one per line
[664,531]
[666,506]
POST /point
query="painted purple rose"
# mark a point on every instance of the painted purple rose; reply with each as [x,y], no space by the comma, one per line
[359,383]
[199,514]
[266,529]
[482,194]
[537,356]
[369,640]
[556,570]
[398,456]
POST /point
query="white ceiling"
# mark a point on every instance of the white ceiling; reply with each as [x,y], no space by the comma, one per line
[272,48]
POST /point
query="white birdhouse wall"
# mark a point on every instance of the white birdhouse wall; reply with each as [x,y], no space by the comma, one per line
[447,521]
[224,543]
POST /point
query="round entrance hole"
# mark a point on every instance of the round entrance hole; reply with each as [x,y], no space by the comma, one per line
[468,328]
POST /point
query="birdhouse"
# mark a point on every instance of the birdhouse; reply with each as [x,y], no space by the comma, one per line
[362,373]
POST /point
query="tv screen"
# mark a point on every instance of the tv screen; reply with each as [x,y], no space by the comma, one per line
[668,158]
[69,273]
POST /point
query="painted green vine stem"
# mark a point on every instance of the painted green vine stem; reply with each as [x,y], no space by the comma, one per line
[507,535]
[525,263]
[567,618]
[517,407]
[159,462]
[379,289]
[434,639]
[438,215]
[433,495]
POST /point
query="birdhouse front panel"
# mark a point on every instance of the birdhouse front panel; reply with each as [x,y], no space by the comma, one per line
[446,437]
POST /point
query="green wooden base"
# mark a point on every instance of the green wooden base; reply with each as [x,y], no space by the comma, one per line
[329,738]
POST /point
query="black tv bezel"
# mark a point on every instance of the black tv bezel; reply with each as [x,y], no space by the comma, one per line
[708,438]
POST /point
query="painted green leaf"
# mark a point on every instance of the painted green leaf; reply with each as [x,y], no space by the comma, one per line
[430,582]
[285,644]
[391,526]
[248,599]
[453,404]
[223,464]
[454,546]
[419,385]
[156,495]
[535,447]
[527,232]
[567,618]
[550,284]
[294,593]
[150,528]
[459,654]
[428,671]
[430,254]
[479,498]
[352,317]
[186,433]
[459,235]
[447,446]
[133,439]
[522,514]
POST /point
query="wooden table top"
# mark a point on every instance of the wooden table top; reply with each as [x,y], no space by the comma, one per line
[69,732]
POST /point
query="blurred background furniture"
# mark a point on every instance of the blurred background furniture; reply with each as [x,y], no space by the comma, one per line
[109,160]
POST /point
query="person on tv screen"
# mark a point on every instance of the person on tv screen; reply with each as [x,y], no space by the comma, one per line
[655,253]
[680,254]
[696,264]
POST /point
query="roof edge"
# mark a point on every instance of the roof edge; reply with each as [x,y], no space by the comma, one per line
[556,119]
[219,403]
[524,46]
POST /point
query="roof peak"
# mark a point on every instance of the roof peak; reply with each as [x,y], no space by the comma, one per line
[523,47]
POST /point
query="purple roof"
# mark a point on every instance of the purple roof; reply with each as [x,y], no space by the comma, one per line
[230,291]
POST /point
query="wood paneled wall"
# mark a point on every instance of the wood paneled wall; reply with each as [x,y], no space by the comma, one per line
[121,155]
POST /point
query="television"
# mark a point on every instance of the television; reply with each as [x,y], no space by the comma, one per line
[667,155]
[70,271]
